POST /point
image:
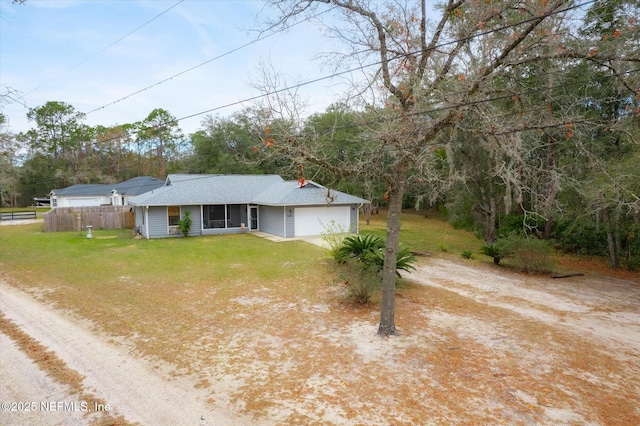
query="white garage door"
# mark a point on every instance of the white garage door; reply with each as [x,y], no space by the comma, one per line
[312,220]
[81,202]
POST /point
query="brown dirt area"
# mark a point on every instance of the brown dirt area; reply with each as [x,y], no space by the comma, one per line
[477,345]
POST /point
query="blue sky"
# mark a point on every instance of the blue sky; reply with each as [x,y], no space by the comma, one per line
[54,50]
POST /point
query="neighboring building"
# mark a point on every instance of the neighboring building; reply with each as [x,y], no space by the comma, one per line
[222,204]
[91,195]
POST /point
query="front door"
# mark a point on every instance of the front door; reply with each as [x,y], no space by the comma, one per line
[253,213]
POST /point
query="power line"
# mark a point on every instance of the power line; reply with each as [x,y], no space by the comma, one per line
[261,38]
[333,75]
[320,78]
[362,67]
[470,103]
[104,48]
[479,102]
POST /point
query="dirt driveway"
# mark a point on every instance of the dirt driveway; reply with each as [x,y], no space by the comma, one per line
[477,345]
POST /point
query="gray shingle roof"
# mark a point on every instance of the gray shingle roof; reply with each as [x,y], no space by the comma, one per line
[85,189]
[139,185]
[135,186]
[290,193]
[240,189]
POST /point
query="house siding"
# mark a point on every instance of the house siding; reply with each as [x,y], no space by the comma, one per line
[158,222]
[290,222]
[354,219]
[139,220]
[196,219]
[63,201]
[158,225]
[272,220]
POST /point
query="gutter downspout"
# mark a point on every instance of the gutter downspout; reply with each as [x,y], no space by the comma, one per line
[146,222]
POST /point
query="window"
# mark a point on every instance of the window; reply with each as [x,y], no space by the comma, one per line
[234,215]
[173,213]
[214,216]
[224,216]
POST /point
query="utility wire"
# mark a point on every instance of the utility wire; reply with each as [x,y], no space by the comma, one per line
[258,39]
[320,78]
[104,48]
[470,103]
[473,103]
[380,62]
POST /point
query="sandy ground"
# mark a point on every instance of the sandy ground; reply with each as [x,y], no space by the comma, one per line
[130,386]
[22,381]
[606,310]
[527,337]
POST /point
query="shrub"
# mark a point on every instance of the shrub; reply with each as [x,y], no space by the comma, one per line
[519,224]
[444,213]
[404,260]
[529,255]
[581,237]
[185,223]
[361,281]
[333,236]
[633,264]
[467,254]
[495,251]
[443,247]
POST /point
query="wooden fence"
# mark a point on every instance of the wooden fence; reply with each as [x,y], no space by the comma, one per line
[64,219]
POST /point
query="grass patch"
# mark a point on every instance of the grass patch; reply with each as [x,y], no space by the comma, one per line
[258,326]
[426,234]
[165,292]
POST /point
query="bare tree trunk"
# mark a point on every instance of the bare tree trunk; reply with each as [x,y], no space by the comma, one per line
[551,188]
[617,235]
[550,192]
[387,312]
[161,168]
[490,231]
[367,210]
[611,240]
[139,158]
[489,213]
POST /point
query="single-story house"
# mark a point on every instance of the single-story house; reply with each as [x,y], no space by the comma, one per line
[92,195]
[222,204]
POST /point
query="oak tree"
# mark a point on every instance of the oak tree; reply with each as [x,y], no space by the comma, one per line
[417,78]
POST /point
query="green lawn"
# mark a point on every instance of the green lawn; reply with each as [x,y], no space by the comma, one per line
[135,286]
[265,317]
[427,234]
[158,289]
[131,286]
[70,259]
[111,258]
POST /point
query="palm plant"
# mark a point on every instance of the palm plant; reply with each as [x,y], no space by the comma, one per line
[356,246]
[369,251]
[495,251]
